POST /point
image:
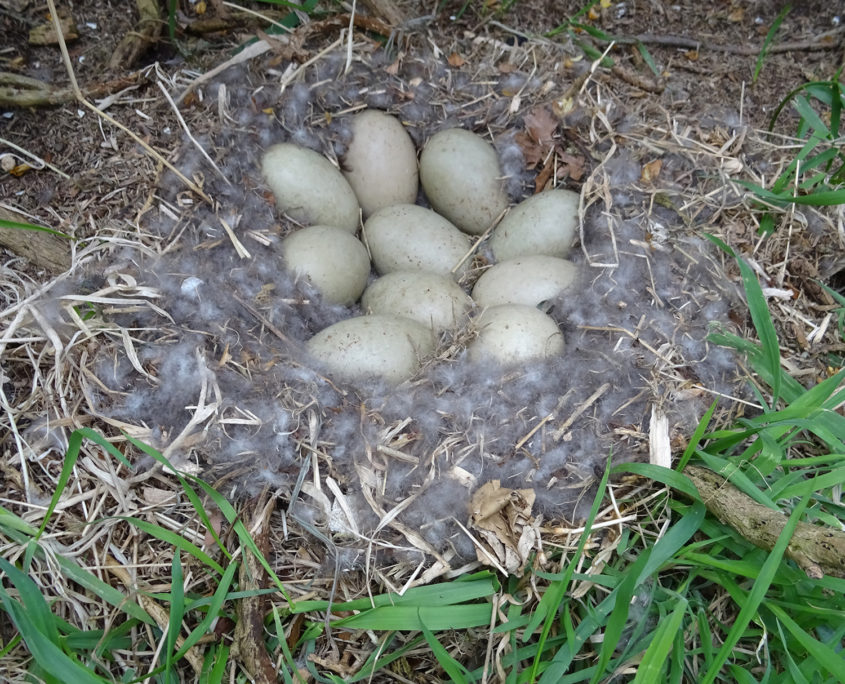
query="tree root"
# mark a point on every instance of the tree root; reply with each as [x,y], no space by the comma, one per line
[818,550]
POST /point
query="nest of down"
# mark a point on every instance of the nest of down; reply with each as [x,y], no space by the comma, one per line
[200,332]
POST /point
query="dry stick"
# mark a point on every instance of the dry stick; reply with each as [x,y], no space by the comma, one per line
[583,407]
[818,549]
[81,99]
[479,240]
[188,131]
[833,37]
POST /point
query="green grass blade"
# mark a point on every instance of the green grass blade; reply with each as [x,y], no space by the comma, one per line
[443,594]
[648,562]
[177,609]
[37,610]
[731,472]
[99,588]
[15,527]
[836,102]
[244,537]
[826,198]
[15,225]
[186,487]
[67,469]
[770,37]
[832,661]
[37,627]
[413,618]
[758,592]
[75,440]
[670,478]
[220,596]
[47,655]
[655,656]
[175,540]
[697,435]
[805,487]
[759,316]
[214,665]
[648,59]
[811,118]
[553,597]
[450,666]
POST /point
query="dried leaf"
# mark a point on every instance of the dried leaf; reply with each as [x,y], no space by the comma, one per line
[571,166]
[737,15]
[651,171]
[540,124]
[45,34]
[455,60]
[531,151]
[502,518]
[20,170]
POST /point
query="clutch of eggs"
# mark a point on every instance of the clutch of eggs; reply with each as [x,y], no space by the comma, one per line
[419,254]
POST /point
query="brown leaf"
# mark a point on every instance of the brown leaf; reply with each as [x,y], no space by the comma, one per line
[572,166]
[540,124]
[736,15]
[502,518]
[455,60]
[45,34]
[651,171]
[531,151]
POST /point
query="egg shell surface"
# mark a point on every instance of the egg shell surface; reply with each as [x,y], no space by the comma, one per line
[407,237]
[461,176]
[332,259]
[381,162]
[383,346]
[524,280]
[512,333]
[545,223]
[430,298]
[309,188]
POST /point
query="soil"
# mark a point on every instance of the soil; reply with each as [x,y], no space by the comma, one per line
[111,176]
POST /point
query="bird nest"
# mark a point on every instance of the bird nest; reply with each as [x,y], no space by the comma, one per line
[189,334]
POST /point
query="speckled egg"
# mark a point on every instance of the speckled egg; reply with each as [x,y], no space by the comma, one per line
[333,260]
[512,333]
[407,237]
[381,162]
[430,298]
[387,347]
[461,176]
[524,280]
[546,223]
[308,188]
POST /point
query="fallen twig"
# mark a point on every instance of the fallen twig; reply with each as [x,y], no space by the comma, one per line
[818,549]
